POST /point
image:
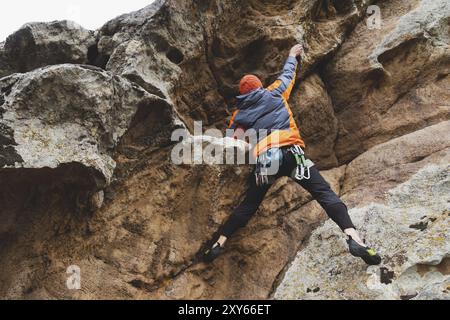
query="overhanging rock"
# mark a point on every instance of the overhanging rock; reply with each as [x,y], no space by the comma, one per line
[70,114]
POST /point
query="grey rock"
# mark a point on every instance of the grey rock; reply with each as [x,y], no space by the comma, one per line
[67,113]
[40,44]
[5,68]
[435,291]
[136,46]
[428,21]
[133,19]
[415,260]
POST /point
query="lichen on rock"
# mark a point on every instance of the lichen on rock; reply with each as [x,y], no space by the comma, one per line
[415,258]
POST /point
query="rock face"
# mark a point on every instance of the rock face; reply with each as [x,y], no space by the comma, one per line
[41,44]
[66,113]
[411,229]
[86,176]
[389,82]
[77,114]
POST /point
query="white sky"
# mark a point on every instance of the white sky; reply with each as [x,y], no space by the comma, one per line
[91,14]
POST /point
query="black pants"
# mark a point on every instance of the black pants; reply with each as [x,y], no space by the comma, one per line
[316,185]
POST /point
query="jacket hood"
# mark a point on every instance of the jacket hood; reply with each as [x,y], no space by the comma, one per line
[247,100]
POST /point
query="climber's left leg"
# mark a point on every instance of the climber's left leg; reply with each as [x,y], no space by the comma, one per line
[245,211]
[240,217]
[338,212]
[327,198]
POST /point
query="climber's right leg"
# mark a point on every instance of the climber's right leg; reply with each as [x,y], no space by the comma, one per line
[240,217]
[245,211]
[338,212]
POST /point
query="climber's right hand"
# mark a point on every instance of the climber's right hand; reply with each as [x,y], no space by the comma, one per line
[296,51]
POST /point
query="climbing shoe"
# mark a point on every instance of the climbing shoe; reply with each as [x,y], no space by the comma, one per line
[211,254]
[369,255]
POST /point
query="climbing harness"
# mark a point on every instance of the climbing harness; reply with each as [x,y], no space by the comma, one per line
[302,171]
[269,162]
[267,166]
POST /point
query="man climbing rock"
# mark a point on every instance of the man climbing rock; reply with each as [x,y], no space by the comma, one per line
[267,109]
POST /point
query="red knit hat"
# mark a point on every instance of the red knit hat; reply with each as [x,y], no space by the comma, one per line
[249,83]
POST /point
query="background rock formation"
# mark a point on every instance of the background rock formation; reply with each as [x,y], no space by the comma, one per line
[86,177]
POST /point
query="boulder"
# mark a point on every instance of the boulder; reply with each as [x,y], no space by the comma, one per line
[41,44]
[65,114]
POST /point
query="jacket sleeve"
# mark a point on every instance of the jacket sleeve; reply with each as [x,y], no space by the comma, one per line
[238,130]
[286,80]
[233,124]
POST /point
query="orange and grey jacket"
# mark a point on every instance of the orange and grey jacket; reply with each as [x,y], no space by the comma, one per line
[268,109]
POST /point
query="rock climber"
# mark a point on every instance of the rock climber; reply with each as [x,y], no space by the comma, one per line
[260,108]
